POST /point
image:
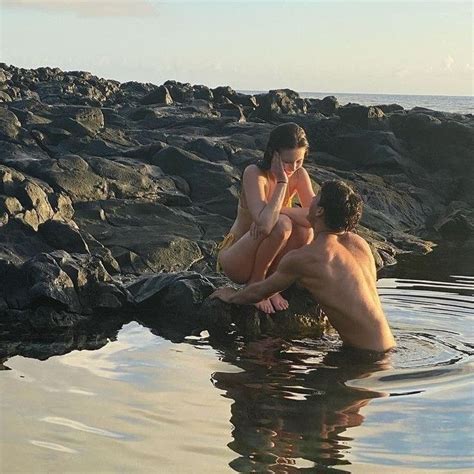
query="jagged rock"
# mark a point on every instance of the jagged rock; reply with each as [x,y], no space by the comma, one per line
[160,95]
[327,106]
[303,318]
[389,108]
[10,205]
[62,235]
[369,149]
[179,162]
[457,222]
[363,117]
[277,102]
[173,297]
[180,92]
[9,124]
[210,150]
[232,111]
[203,92]
[136,178]
[4,97]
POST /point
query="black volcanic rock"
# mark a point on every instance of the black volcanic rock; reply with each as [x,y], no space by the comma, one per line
[362,117]
[107,186]
[277,102]
[327,106]
[206,179]
[160,95]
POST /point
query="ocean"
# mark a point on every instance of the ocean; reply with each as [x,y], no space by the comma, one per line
[444,103]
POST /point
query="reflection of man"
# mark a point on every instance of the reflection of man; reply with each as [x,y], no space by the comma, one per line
[337,268]
[292,402]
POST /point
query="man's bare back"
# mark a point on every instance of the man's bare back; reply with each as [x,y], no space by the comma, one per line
[337,268]
[345,287]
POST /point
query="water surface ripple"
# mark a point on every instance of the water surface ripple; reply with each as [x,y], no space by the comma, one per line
[142,403]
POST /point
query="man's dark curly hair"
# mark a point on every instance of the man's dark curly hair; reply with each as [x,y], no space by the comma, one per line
[342,205]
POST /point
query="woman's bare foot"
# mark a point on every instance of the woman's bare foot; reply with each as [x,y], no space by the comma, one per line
[265,306]
[278,302]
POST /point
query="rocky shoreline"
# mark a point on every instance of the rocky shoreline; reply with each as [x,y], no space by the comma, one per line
[114,196]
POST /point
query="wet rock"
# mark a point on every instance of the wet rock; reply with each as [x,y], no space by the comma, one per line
[303,318]
[171,297]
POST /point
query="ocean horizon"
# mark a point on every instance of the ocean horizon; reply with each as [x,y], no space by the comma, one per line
[443,103]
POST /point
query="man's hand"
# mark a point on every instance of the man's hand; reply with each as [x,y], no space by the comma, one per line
[225,294]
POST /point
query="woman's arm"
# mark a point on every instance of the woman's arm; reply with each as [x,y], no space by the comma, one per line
[304,188]
[305,192]
[265,214]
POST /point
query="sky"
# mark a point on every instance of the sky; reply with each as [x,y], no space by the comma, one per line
[378,46]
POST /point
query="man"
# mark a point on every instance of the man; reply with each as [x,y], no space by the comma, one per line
[337,268]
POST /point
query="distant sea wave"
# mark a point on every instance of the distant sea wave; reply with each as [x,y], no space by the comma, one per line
[444,103]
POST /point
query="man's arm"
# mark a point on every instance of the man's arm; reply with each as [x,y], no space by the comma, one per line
[283,277]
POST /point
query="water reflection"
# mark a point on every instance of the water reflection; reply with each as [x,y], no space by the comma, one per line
[142,399]
[43,346]
[291,404]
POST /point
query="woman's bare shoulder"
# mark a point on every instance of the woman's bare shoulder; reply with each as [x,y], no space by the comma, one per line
[253,169]
[253,172]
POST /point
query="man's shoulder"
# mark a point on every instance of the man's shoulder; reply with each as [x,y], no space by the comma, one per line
[295,260]
[356,239]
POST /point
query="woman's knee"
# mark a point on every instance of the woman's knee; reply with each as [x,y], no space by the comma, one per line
[302,235]
[283,228]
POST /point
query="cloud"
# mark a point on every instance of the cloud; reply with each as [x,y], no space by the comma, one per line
[101,8]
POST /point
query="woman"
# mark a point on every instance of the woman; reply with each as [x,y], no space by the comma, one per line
[267,227]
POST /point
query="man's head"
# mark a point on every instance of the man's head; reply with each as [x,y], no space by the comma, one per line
[337,205]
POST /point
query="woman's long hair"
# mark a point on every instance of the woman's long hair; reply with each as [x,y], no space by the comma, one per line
[285,136]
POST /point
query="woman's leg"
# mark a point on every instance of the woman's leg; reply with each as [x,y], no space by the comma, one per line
[299,236]
[248,260]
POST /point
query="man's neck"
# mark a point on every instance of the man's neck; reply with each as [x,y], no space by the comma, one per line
[320,228]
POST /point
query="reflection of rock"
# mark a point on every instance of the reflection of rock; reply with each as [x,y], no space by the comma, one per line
[128,179]
[62,341]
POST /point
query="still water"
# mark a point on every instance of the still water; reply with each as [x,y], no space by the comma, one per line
[140,402]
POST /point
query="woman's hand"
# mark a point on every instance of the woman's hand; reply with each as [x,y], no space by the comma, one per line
[277,168]
[254,231]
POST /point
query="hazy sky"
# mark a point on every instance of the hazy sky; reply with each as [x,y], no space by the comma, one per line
[379,46]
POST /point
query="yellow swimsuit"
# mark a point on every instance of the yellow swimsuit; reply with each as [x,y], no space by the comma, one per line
[229,239]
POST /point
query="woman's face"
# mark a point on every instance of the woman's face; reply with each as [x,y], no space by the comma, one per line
[292,159]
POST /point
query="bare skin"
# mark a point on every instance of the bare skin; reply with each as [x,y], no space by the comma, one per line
[339,271]
[265,230]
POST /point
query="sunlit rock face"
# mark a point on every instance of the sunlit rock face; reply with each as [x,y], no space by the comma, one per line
[107,189]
